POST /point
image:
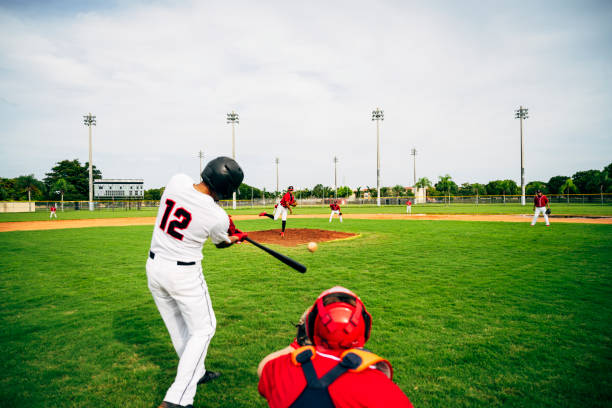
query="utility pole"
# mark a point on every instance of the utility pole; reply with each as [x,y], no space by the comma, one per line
[378,115]
[522,113]
[414,153]
[336,177]
[201,156]
[233,119]
[90,120]
[277,175]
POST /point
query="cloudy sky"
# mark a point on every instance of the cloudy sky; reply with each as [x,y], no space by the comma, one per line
[304,77]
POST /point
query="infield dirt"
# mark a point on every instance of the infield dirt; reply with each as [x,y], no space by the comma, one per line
[118,222]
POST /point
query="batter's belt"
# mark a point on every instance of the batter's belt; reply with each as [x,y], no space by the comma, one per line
[180,263]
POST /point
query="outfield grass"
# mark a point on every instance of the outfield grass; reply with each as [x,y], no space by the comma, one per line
[470,314]
[568,209]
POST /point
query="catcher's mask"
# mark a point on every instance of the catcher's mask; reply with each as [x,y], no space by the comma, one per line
[223,176]
[338,320]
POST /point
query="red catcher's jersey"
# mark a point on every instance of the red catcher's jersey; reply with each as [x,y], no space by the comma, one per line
[282,382]
[287,199]
[334,207]
[540,201]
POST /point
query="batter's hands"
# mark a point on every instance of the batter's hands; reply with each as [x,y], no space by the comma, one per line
[239,236]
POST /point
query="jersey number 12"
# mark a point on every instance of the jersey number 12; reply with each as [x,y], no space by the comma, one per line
[183,219]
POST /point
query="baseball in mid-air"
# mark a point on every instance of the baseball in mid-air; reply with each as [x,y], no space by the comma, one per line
[312,246]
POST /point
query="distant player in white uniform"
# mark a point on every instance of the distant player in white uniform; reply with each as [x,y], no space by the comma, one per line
[188,215]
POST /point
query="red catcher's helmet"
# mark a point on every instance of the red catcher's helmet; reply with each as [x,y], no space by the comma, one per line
[338,320]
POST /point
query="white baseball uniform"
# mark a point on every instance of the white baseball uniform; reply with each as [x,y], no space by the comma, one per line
[280,211]
[185,219]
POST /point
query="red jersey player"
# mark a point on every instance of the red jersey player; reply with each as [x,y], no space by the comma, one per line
[53,212]
[334,371]
[540,204]
[280,210]
[335,209]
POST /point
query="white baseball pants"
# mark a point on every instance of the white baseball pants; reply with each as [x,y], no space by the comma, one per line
[182,298]
[335,212]
[408,209]
[280,211]
[539,210]
[53,214]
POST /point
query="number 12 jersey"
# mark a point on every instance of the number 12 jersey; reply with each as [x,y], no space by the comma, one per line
[185,219]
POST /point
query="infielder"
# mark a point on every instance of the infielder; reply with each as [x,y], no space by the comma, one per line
[335,209]
[409,207]
[53,212]
[540,204]
[280,210]
[188,215]
[326,365]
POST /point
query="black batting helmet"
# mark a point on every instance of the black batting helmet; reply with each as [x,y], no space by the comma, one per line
[223,176]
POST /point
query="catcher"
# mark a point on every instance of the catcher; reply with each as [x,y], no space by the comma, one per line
[335,209]
[329,341]
[280,209]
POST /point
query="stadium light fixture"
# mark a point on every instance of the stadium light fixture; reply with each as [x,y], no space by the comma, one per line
[522,113]
[233,119]
[378,115]
[90,120]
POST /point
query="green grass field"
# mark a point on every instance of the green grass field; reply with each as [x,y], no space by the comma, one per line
[569,209]
[471,314]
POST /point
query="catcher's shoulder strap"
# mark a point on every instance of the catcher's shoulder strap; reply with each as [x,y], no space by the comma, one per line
[367,359]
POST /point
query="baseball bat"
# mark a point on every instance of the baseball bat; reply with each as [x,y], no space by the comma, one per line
[284,259]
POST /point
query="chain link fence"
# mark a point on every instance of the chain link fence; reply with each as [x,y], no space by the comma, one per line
[127,205]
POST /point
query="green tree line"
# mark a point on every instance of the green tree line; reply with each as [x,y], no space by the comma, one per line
[69,180]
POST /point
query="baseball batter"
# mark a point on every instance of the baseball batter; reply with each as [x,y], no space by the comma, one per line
[540,204]
[188,215]
[335,209]
[280,210]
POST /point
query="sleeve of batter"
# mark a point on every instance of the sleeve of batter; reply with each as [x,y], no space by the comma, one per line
[218,233]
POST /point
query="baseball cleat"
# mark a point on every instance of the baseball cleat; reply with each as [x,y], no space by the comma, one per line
[263,214]
[282,235]
[209,376]
[167,404]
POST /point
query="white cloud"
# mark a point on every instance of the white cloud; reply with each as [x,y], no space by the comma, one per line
[304,79]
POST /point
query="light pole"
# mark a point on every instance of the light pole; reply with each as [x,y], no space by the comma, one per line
[335,177]
[522,113]
[378,115]
[277,175]
[90,120]
[233,119]
[414,153]
[201,156]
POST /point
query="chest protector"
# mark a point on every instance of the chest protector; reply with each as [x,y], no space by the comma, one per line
[316,393]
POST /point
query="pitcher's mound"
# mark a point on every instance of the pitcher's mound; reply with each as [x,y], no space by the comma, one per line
[297,236]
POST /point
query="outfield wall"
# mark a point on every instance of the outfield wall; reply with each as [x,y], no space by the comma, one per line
[17,206]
